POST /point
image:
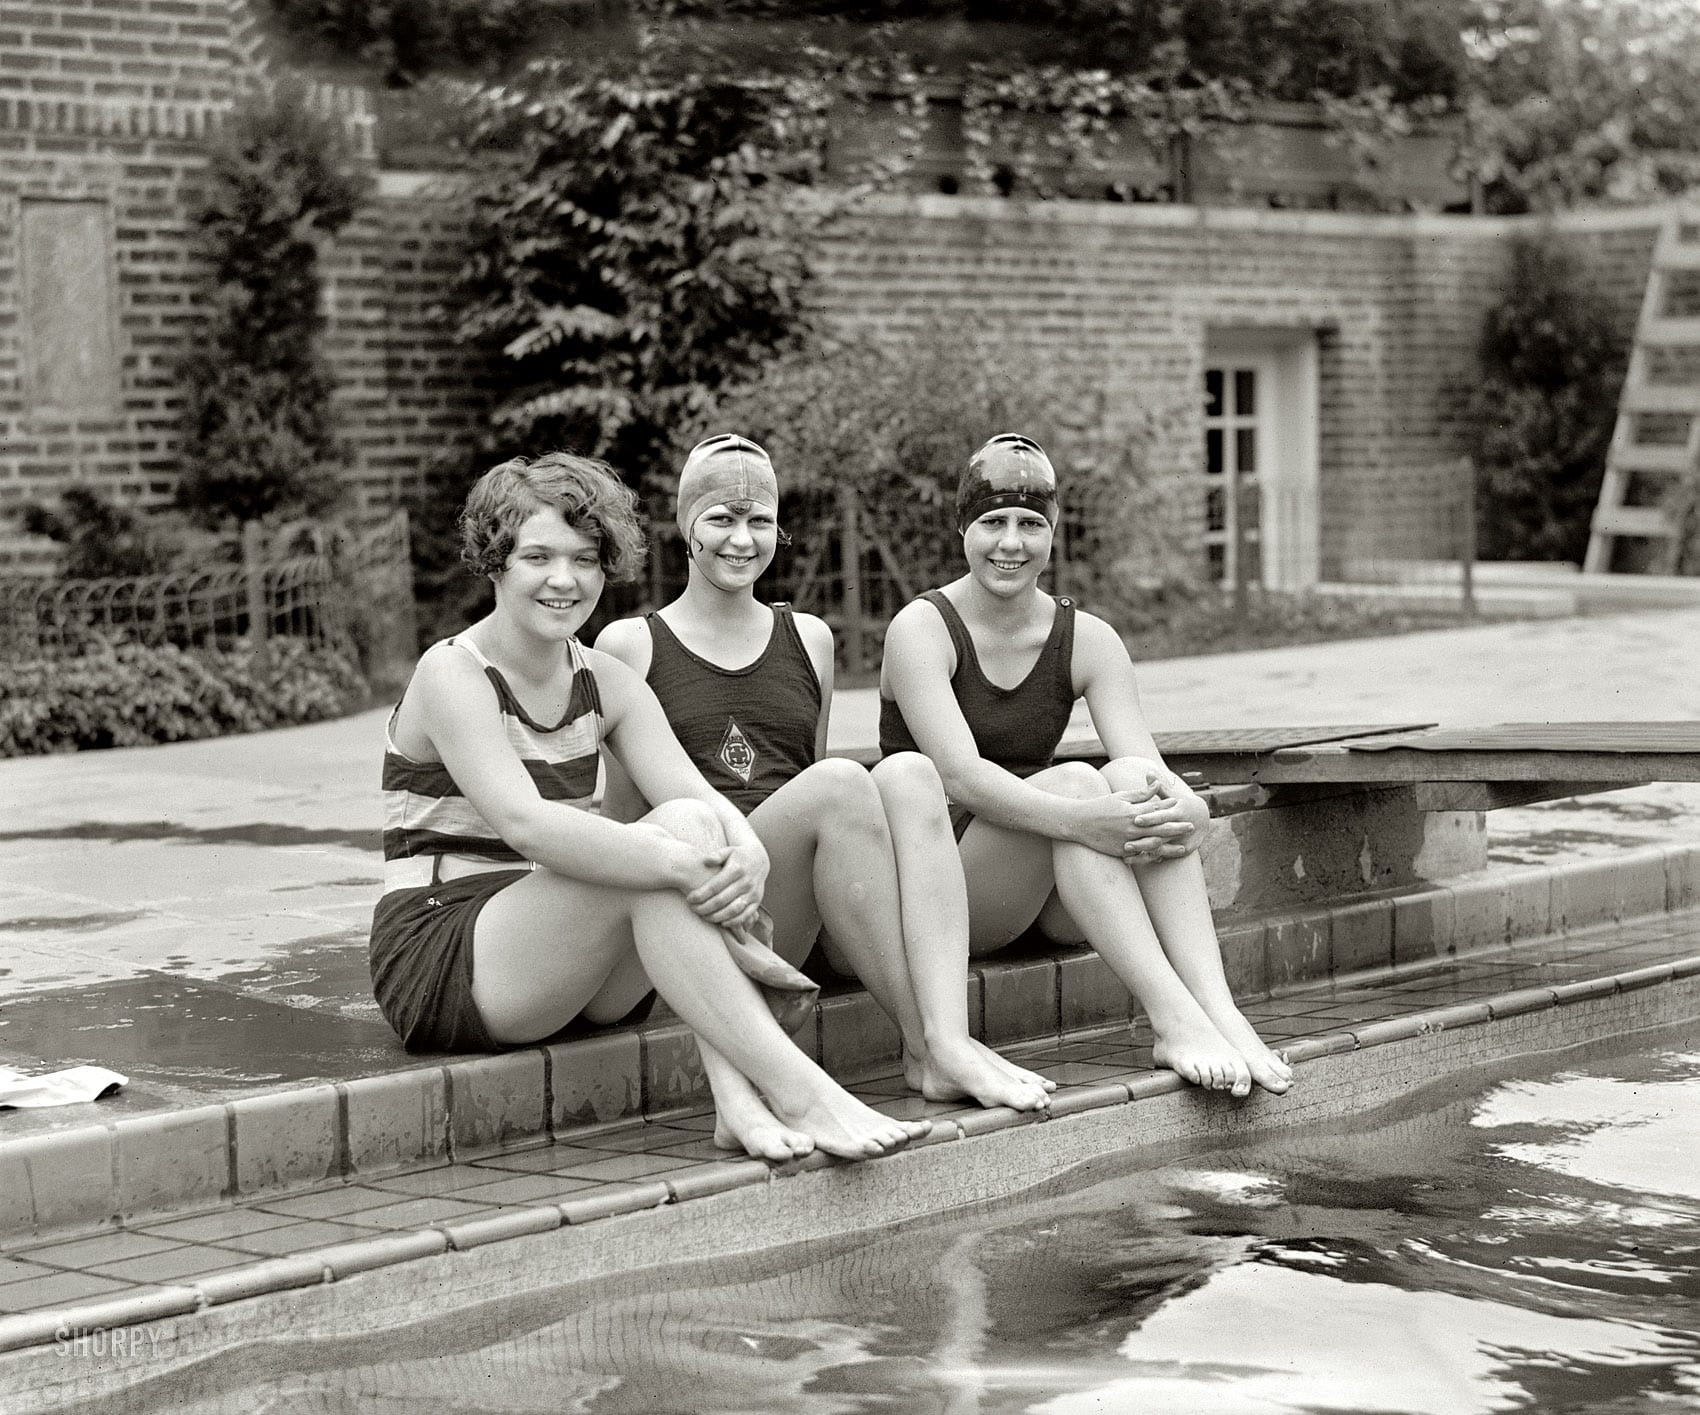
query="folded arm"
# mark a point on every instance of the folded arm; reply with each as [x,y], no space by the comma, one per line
[919,660]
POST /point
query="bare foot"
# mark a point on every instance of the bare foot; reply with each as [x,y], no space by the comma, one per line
[1020,1073]
[841,1125]
[744,1123]
[954,1069]
[1202,1056]
[1268,1068]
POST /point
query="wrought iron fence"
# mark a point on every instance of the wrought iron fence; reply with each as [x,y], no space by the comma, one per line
[269,594]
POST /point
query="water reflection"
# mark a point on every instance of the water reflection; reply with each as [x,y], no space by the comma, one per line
[1534,1247]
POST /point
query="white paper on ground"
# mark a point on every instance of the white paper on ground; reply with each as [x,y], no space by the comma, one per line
[68,1087]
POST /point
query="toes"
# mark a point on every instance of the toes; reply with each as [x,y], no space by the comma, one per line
[1033,1078]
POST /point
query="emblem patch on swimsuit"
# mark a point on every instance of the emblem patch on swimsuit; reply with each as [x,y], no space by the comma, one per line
[736,752]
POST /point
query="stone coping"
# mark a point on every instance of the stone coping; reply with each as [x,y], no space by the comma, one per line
[618,1197]
[87,1179]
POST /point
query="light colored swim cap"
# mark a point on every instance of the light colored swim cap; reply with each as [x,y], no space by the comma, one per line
[1010,470]
[721,470]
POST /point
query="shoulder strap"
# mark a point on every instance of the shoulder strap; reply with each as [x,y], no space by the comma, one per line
[961,640]
[466,644]
[584,682]
[660,636]
[1060,645]
[786,623]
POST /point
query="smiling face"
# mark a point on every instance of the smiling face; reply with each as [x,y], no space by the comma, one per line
[1007,549]
[553,577]
[731,544]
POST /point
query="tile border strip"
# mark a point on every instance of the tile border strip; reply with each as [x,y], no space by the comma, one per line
[333,1263]
[181,1161]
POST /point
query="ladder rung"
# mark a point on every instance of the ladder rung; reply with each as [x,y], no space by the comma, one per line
[1670,329]
[1662,398]
[1648,521]
[1650,457]
[1678,255]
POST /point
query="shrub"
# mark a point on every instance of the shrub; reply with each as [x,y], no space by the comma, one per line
[638,241]
[128,695]
[897,420]
[103,539]
[258,434]
[1552,358]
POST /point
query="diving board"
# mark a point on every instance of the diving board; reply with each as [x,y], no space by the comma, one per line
[1458,768]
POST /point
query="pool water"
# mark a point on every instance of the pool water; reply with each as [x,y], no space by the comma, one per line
[1527,1243]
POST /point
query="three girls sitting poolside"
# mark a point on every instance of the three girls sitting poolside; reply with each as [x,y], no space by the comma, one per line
[510,909]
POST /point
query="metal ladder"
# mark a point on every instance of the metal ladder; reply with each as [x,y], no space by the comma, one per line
[1641,474]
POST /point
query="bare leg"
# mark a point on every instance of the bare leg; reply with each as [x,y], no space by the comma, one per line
[548,948]
[1179,908]
[833,861]
[1005,870]
[944,1062]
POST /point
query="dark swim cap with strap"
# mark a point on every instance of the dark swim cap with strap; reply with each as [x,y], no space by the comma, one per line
[1010,470]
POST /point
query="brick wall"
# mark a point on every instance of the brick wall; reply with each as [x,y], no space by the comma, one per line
[406,389]
[1130,293]
[101,102]
[106,103]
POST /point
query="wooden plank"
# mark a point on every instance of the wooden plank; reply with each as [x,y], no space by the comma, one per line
[1408,765]
[1645,735]
[1647,522]
[1679,255]
[1269,739]
[1652,457]
[1671,329]
[1662,398]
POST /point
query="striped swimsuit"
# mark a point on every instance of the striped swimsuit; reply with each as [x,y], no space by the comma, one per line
[421,946]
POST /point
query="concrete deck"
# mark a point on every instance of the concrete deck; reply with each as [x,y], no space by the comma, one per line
[195,916]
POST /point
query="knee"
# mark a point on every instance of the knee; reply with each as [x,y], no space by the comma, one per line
[908,781]
[843,797]
[1132,773]
[840,785]
[1074,779]
[694,822]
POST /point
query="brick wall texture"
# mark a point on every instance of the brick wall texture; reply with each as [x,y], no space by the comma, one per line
[108,101]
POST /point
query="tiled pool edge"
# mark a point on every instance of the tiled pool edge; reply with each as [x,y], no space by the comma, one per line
[94,1178]
[992,1153]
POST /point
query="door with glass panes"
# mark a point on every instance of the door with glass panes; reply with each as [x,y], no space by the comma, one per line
[1260,460]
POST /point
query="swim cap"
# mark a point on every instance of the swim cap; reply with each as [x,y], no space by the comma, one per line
[1010,470]
[720,470]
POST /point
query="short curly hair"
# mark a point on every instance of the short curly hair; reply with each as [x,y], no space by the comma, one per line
[589,495]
